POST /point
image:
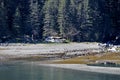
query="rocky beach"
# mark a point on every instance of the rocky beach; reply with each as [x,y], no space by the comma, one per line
[56,49]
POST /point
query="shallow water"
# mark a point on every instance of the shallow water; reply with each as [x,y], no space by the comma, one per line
[31,71]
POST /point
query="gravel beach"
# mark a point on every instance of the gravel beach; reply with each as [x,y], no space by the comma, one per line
[26,49]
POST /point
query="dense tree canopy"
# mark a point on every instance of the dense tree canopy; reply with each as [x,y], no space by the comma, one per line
[75,20]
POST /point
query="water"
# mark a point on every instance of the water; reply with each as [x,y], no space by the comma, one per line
[34,72]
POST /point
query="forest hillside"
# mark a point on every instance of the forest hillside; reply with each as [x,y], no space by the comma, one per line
[75,20]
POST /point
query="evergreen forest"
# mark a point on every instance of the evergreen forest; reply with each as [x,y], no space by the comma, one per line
[74,20]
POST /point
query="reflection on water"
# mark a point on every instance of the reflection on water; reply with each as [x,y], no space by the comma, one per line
[34,72]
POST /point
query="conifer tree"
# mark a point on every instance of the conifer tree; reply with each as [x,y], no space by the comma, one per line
[4,32]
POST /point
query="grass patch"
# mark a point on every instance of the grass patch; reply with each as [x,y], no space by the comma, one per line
[79,60]
[30,58]
[91,59]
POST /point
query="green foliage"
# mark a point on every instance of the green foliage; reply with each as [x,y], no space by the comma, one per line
[75,20]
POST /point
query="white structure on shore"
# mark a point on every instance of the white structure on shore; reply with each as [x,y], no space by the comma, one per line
[54,39]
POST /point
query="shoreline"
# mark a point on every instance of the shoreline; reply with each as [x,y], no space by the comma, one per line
[37,51]
[51,50]
[83,67]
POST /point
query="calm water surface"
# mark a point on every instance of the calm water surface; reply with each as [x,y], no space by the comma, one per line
[34,72]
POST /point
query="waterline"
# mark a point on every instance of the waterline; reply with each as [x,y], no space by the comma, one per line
[30,71]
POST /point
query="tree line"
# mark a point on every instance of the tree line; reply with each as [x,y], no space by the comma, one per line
[75,20]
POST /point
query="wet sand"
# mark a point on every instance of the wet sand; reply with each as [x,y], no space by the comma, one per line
[83,67]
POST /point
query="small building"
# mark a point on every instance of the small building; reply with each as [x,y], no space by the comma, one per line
[54,39]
